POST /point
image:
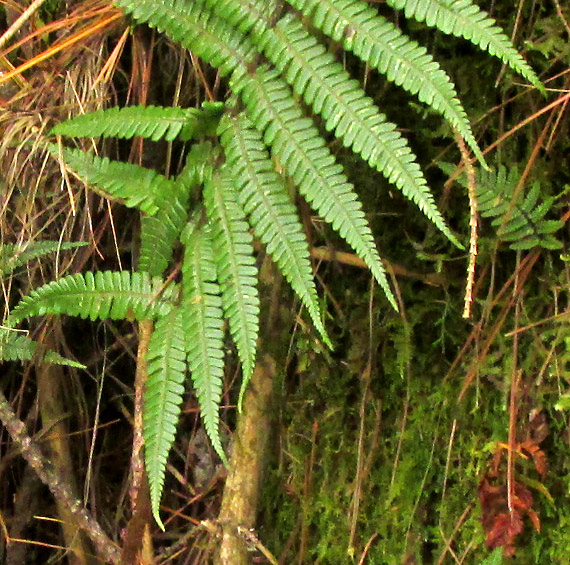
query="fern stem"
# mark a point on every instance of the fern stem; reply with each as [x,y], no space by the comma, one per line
[241,492]
[473,224]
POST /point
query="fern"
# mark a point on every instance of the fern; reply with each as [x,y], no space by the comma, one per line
[151,122]
[203,329]
[233,252]
[163,399]
[263,196]
[308,162]
[135,186]
[189,23]
[16,347]
[105,294]
[521,222]
[462,18]
[159,234]
[14,255]
[383,46]
[266,142]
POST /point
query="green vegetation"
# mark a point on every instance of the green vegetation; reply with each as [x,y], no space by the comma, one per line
[406,434]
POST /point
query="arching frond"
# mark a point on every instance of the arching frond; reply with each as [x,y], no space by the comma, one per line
[307,160]
[237,272]
[383,46]
[463,18]
[14,255]
[151,122]
[263,195]
[133,185]
[105,294]
[163,398]
[202,316]
[353,116]
[193,25]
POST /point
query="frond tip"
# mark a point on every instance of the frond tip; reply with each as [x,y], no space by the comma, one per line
[203,328]
[163,399]
[463,18]
[235,262]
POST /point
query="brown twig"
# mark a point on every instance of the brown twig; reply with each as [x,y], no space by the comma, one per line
[17,25]
[56,483]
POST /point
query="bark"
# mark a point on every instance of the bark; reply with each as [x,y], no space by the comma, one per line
[241,493]
[138,547]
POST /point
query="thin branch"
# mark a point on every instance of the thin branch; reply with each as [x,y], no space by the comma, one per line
[56,483]
[17,25]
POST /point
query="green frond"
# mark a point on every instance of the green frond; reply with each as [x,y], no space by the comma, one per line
[383,46]
[16,347]
[462,18]
[200,163]
[203,328]
[105,294]
[145,121]
[307,160]
[14,255]
[264,197]
[159,234]
[315,74]
[194,26]
[249,16]
[304,156]
[133,185]
[163,398]
[520,223]
[237,272]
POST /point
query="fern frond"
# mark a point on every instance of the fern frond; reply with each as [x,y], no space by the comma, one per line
[194,26]
[14,255]
[159,234]
[307,160]
[233,252]
[134,185]
[462,18]
[383,46]
[520,223]
[151,122]
[314,74]
[200,163]
[203,327]
[105,294]
[16,347]
[263,195]
[163,399]
[305,157]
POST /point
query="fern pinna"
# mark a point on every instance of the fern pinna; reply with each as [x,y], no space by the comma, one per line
[273,55]
[519,220]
